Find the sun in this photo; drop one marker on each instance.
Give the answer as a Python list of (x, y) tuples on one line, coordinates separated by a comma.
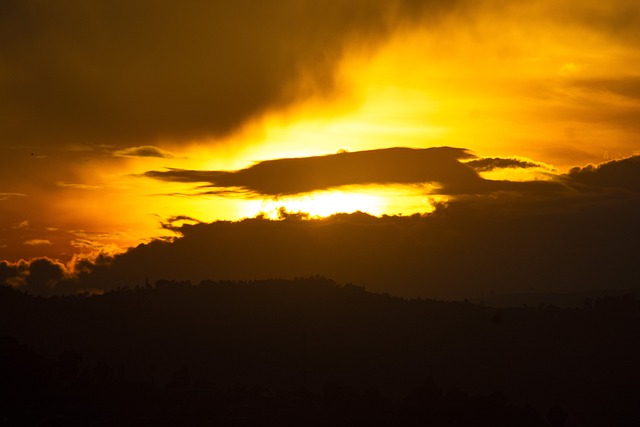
[(319, 204), (376, 200)]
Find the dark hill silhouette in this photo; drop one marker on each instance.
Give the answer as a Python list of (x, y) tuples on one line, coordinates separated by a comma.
[(178, 338), (39, 391)]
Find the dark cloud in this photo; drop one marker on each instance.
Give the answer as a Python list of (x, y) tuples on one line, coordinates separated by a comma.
[(43, 275), (486, 164), (38, 276), (133, 72), (476, 245), (144, 151), (175, 222), (622, 174), (10, 272), (467, 249), (184, 175), (439, 166), (129, 73)]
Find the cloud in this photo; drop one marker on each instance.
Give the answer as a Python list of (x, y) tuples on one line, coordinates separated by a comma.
[(23, 225), (621, 174), (439, 165), (38, 242), (86, 244), (94, 71), (144, 151), (77, 186), (486, 164), (111, 72), (476, 245), (43, 275), (10, 272), (39, 276), (175, 222), (466, 250), (27, 239), (7, 196)]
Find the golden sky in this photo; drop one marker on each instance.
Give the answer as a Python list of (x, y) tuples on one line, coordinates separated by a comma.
[(101, 100)]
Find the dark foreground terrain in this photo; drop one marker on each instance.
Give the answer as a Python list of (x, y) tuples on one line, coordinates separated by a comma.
[(310, 352)]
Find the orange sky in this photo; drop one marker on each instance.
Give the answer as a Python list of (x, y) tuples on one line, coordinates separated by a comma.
[(95, 94)]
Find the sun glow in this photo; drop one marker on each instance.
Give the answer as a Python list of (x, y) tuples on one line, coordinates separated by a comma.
[(318, 204), (376, 200)]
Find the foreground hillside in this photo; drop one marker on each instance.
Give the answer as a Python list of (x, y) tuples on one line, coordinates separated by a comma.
[(326, 340)]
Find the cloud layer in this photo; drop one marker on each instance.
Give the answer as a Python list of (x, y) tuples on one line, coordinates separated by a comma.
[(440, 166), (134, 73), (125, 73), (580, 239)]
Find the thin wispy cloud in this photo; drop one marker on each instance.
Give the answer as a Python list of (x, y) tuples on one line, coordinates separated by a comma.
[(38, 242), (144, 151), (486, 164), (7, 196)]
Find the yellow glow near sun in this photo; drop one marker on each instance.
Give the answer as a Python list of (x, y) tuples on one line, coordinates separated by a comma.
[(319, 204), (376, 200)]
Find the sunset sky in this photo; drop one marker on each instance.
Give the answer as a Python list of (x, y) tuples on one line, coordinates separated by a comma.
[(117, 117)]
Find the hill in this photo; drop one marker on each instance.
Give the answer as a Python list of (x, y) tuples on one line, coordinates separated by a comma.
[(310, 333)]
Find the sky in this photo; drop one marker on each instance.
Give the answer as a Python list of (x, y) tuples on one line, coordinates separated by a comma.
[(121, 122)]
